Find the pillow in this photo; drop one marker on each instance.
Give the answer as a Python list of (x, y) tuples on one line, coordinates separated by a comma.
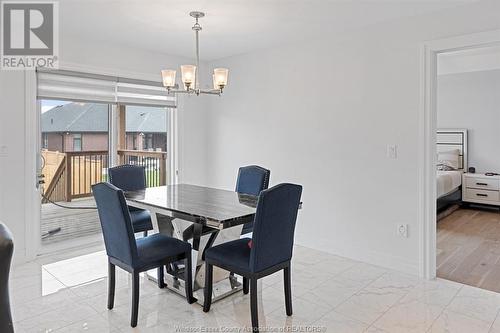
[(449, 158), (445, 167)]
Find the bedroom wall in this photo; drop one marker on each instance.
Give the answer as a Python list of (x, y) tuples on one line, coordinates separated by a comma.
[(472, 101), (109, 58), (321, 113)]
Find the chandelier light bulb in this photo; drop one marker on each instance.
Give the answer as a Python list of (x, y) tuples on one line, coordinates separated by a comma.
[(188, 76), (220, 77), (168, 78)]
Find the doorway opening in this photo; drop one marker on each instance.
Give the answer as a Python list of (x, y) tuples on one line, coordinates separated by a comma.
[(445, 144), (468, 187)]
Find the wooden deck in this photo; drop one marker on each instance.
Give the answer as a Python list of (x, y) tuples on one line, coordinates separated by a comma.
[(74, 223)]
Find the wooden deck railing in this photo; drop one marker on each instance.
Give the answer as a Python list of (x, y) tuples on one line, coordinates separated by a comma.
[(83, 169), (78, 171), (155, 163)]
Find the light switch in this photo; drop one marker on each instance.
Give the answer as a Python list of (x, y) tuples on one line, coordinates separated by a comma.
[(3, 151), (392, 151)]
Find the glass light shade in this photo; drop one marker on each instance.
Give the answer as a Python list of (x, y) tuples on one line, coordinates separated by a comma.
[(188, 75), (220, 77), (168, 76)]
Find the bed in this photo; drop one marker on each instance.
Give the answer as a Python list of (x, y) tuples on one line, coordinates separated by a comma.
[(448, 182), (451, 147)]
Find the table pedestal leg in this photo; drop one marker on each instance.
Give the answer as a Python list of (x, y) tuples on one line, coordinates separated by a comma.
[(224, 284)]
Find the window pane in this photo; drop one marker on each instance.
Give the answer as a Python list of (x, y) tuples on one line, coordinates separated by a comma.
[(74, 139), (146, 133)]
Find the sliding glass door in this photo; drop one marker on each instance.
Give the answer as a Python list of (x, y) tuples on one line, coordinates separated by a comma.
[(74, 151), (89, 123)]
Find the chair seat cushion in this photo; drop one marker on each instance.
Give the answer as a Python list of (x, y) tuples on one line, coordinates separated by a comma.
[(158, 247), (235, 254), (247, 228), (141, 220)]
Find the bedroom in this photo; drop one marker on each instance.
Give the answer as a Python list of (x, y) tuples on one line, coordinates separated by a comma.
[(468, 163)]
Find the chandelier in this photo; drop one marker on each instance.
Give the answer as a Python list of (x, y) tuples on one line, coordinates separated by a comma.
[(190, 77)]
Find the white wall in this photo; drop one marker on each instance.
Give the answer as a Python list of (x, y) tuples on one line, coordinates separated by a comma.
[(12, 203), (322, 113), (485, 58), (472, 100), (104, 58)]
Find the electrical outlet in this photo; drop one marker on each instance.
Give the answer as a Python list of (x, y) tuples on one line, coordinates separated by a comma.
[(392, 151), (3, 151), (403, 230)]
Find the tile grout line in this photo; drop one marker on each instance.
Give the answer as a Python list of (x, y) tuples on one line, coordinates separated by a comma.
[(358, 290), (372, 324), (493, 322), (362, 288), (466, 314), (444, 308)]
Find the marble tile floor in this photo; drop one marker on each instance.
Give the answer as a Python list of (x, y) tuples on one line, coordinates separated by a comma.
[(67, 293)]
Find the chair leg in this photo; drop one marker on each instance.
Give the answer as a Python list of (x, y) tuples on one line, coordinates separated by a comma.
[(208, 287), (288, 290), (161, 280), (245, 285), (188, 279), (135, 299), (111, 285), (145, 233), (253, 305)]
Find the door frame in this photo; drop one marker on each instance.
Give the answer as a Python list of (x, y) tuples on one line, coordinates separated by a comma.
[(427, 130), (32, 144)]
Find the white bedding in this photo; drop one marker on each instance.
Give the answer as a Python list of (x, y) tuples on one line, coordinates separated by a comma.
[(447, 182)]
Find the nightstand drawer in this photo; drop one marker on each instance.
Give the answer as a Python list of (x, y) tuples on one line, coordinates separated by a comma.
[(471, 193), (482, 183)]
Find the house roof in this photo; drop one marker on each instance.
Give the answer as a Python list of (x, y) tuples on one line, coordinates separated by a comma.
[(93, 117)]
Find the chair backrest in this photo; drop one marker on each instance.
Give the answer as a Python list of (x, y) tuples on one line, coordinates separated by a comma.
[(6, 250), (128, 177), (115, 222), (252, 179), (274, 226)]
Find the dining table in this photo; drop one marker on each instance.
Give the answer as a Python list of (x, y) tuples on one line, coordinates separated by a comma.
[(202, 216)]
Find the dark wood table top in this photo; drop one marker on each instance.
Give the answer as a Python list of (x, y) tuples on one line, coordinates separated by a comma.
[(203, 204)]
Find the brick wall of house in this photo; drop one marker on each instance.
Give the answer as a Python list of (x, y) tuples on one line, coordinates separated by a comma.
[(94, 141), (63, 142), (159, 141), (54, 142)]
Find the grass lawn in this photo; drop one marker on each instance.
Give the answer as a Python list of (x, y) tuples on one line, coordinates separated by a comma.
[(152, 178)]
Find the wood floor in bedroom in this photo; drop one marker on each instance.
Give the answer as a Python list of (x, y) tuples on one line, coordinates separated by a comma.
[(468, 248)]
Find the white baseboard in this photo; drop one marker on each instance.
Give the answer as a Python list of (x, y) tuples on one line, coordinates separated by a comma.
[(384, 260)]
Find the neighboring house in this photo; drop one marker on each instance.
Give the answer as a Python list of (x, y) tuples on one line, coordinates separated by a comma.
[(84, 127)]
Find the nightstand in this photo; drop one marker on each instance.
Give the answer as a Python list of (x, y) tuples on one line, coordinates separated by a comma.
[(478, 188)]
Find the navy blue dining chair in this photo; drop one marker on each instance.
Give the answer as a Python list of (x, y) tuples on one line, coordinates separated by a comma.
[(252, 180), (6, 251), (132, 178), (269, 251), (135, 256)]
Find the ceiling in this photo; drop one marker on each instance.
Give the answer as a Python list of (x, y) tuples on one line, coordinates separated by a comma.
[(471, 60), (231, 26)]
